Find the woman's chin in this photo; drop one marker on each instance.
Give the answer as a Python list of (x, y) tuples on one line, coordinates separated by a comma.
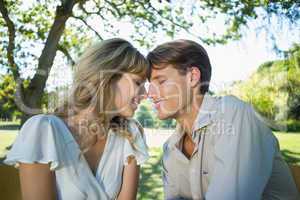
[(128, 113)]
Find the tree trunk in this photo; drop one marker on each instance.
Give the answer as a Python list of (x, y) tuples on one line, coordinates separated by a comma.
[(31, 97)]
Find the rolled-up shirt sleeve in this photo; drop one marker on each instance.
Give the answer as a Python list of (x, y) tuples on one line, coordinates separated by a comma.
[(244, 158)]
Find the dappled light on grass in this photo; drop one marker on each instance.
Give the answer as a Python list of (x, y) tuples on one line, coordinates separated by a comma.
[(151, 182)]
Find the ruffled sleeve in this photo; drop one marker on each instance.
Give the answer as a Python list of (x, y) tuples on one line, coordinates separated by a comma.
[(35, 143), (138, 148)]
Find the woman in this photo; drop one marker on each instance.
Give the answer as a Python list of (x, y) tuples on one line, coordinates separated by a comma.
[(88, 148)]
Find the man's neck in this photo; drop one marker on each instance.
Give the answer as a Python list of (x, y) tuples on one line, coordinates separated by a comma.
[(188, 115)]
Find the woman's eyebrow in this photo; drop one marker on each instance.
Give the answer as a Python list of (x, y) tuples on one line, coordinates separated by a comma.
[(138, 79)]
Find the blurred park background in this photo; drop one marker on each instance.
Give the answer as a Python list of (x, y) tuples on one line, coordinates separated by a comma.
[(254, 47)]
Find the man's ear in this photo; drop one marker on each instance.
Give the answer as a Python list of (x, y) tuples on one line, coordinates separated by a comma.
[(195, 76)]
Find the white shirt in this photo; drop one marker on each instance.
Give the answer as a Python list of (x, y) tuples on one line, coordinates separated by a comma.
[(236, 157), (46, 139)]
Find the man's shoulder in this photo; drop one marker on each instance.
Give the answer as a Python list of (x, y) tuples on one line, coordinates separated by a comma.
[(231, 106), (231, 101)]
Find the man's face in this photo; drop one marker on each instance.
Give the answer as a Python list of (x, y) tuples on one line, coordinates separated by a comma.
[(169, 90)]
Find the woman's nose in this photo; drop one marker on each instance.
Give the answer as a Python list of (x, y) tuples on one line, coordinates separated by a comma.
[(142, 93)]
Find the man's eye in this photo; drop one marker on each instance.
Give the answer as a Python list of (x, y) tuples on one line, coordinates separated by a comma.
[(161, 82)]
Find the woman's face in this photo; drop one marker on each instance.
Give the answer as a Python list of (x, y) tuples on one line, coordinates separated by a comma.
[(130, 89)]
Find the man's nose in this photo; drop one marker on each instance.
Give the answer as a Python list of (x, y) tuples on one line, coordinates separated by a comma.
[(152, 91)]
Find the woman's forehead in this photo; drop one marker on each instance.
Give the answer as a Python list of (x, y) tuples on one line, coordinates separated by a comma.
[(132, 76)]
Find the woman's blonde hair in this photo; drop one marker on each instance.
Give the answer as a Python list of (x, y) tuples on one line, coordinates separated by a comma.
[(94, 76)]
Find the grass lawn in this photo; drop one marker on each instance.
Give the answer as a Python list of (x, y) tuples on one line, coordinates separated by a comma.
[(8, 132), (150, 183), (6, 139), (290, 146)]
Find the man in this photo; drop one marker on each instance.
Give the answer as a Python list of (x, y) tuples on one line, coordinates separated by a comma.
[(221, 149)]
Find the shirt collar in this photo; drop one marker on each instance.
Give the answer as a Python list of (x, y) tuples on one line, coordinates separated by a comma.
[(205, 116), (206, 112)]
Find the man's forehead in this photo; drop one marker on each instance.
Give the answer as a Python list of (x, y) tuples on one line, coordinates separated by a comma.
[(160, 71)]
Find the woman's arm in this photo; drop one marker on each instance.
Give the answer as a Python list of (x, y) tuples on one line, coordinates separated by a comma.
[(130, 181), (37, 182)]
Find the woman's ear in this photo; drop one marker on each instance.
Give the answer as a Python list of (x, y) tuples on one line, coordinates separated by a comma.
[(195, 76)]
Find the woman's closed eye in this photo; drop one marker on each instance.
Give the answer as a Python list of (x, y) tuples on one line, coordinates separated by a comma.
[(138, 83)]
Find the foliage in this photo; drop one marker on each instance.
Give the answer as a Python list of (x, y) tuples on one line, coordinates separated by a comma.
[(146, 115), (8, 107), (274, 89), (35, 35)]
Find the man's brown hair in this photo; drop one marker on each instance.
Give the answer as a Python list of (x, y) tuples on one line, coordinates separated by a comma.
[(182, 54)]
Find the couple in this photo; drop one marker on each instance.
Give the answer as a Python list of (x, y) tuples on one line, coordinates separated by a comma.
[(91, 148)]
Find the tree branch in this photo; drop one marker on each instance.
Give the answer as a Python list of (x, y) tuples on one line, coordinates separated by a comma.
[(63, 12), (115, 6), (66, 53), (168, 19), (89, 26), (11, 40)]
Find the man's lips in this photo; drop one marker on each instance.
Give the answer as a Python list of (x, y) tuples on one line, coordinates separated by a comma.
[(157, 103)]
